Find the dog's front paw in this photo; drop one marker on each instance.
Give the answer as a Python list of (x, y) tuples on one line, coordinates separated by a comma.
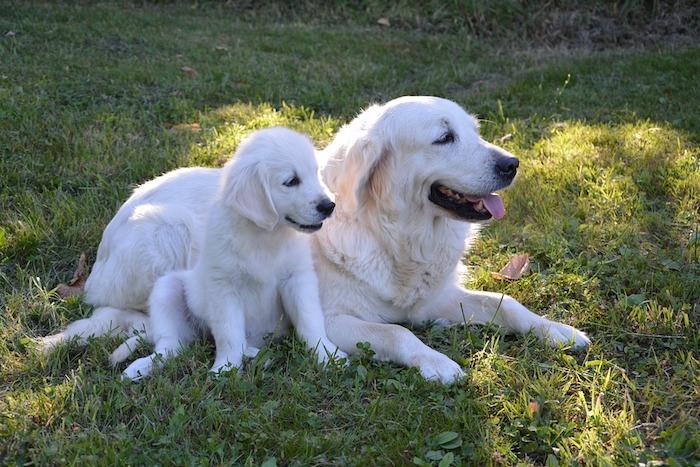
[(223, 365), (327, 351), (556, 334), (47, 344), (140, 368), (251, 352), (434, 366), (125, 349)]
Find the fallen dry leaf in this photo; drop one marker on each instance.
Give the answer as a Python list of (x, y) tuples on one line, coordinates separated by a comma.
[(514, 270), (533, 407), (383, 22), (76, 284), (189, 71)]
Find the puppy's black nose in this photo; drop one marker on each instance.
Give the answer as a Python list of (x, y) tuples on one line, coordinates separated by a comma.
[(507, 167), (325, 207)]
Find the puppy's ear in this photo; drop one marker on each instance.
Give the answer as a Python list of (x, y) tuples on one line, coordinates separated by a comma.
[(247, 190)]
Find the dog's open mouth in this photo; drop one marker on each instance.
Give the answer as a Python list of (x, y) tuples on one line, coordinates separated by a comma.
[(467, 207), (304, 227)]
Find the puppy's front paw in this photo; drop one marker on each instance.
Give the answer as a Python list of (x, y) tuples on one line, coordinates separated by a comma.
[(225, 364), (556, 334), (435, 366), (140, 368), (251, 352)]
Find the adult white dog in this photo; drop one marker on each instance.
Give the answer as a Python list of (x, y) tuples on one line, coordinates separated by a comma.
[(413, 180), (254, 273)]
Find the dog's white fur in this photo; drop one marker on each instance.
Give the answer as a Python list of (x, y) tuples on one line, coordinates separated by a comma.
[(388, 255), (254, 273)]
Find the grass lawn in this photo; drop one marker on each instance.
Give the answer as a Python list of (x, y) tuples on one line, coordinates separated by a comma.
[(97, 99)]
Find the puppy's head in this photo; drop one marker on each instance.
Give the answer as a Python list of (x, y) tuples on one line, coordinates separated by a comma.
[(419, 154), (273, 180)]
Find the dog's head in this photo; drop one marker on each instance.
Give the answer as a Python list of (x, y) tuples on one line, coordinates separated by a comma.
[(273, 180), (418, 153)]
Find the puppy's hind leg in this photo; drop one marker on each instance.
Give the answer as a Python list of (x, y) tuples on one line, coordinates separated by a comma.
[(139, 329), (103, 321), (171, 329)]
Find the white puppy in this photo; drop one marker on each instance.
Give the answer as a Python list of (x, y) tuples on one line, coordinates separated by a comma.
[(413, 179), (255, 272)]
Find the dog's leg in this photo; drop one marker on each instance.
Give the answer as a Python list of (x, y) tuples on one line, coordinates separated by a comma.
[(303, 306), (392, 342), (104, 321), (139, 329), (170, 328), (226, 321), (470, 306), (124, 350)]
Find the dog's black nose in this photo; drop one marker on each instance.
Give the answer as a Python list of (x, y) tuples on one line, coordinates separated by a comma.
[(507, 167), (325, 207)]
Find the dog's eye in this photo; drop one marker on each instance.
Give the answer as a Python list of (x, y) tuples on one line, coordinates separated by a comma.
[(294, 181), (447, 138)]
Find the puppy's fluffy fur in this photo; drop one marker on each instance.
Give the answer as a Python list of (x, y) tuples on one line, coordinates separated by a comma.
[(254, 273), (390, 254)]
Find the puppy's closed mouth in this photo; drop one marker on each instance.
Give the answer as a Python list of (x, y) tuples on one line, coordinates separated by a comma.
[(304, 227), (465, 206)]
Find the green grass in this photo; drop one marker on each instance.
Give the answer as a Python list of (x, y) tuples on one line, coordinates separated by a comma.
[(93, 101)]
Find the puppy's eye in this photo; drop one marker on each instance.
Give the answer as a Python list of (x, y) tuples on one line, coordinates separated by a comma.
[(447, 138), (294, 181)]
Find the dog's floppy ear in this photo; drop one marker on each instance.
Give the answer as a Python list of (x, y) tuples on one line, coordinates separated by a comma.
[(364, 159), (247, 190), (355, 160)]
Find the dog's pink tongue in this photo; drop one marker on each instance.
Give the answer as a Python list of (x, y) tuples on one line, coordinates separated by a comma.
[(494, 204)]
